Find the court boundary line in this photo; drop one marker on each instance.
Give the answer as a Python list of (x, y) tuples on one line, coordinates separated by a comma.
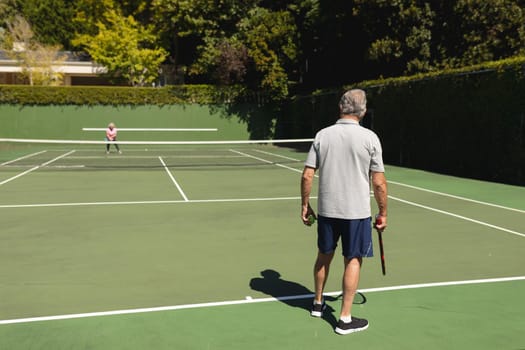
[(261, 199), (36, 168), (186, 200), (417, 204), (265, 160), (456, 197), (173, 180), (217, 200), (422, 188), (23, 157), (277, 155), (249, 300), (457, 216)]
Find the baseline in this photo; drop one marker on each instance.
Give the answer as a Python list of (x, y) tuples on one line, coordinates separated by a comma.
[(249, 300)]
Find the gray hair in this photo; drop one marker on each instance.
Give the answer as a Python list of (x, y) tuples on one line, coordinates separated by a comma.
[(353, 102)]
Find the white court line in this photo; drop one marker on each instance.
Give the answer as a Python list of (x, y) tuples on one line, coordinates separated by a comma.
[(153, 129), (250, 300), (265, 161), (79, 204), (423, 189), (35, 168), (173, 179), (456, 197), (424, 206), (458, 216), (24, 157), (276, 155)]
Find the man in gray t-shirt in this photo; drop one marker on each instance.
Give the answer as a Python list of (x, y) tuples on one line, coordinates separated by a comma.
[(347, 156)]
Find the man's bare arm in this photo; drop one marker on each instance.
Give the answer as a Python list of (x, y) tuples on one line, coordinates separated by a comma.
[(379, 187), (307, 179)]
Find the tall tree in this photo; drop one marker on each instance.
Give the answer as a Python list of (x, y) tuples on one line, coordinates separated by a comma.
[(476, 31), (410, 36), (126, 48), (399, 33), (7, 12), (223, 60), (229, 38), (332, 43), (88, 13), (186, 25), (270, 38), (39, 63), (49, 19)]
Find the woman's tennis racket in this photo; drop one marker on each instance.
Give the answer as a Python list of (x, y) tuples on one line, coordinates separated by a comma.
[(381, 249)]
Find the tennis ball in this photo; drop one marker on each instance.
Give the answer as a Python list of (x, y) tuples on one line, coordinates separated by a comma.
[(311, 219)]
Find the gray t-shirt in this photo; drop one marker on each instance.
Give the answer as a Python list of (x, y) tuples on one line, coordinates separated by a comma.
[(345, 154)]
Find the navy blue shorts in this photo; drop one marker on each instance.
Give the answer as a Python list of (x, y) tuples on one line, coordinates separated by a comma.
[(356, 236)]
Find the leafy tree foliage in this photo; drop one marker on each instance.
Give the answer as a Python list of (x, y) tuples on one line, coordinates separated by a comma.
[(37, 61), (188, 28), (234, 41), (89, 13), (485, 31), (418, 36), (49, 19), (400, 33), (274, 45), (271, 47), (125, 48), (225, 59)]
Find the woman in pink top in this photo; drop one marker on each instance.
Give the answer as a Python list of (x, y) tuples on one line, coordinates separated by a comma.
[(111, 135)]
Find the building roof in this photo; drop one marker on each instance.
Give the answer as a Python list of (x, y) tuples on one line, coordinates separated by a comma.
[(75, 63)]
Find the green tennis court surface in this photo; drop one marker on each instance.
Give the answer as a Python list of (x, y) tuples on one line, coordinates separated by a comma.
[(202, 248)]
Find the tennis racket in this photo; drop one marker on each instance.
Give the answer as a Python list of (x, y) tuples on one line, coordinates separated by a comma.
[(381, 248), (359, 298)]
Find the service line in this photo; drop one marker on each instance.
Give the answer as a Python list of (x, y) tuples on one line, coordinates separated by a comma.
[(35, 168)]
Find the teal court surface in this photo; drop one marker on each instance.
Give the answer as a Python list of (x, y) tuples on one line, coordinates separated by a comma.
[(202, 247)]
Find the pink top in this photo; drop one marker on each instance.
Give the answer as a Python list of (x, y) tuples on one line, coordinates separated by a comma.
[(111, 134)]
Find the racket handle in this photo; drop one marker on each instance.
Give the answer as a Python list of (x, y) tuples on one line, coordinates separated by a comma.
[(378, 220), (382, 252)]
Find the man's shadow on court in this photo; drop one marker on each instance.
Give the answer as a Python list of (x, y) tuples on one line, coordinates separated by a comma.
[(290, 293)]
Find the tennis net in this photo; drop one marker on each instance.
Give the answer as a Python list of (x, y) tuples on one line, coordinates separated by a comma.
[(78, 154)]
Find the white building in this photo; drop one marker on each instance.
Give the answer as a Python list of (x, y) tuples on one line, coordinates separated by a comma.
[(78, 69)]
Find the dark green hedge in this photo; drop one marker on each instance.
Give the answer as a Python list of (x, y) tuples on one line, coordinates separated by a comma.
[(89, 95), (468, 122), (468, 125)]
